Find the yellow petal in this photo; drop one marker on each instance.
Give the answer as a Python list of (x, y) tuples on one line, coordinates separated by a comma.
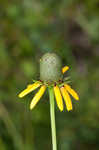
[(66, 98), (29, 89), (64, 69), (71, 91), (29, 86), (37, 96), (58, 97)]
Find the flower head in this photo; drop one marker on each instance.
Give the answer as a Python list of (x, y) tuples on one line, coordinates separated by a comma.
[(51, 75)]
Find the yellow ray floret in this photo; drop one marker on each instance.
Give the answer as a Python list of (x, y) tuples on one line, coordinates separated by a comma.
[(37, 96), (58, 97), (29, 89), (71, 91), (64, 69), (66, 98)]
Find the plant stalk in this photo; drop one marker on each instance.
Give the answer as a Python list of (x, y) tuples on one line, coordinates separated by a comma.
[(52, 115)]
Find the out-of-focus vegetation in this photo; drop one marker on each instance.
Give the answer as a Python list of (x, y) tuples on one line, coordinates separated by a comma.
[(28, 29)]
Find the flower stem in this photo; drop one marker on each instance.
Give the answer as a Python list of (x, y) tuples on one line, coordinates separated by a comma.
[(52, 115)]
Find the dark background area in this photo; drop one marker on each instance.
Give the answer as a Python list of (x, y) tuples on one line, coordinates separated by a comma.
[(28, 29)]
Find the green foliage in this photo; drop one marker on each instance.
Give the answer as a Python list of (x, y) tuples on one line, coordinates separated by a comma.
[(28, 29)]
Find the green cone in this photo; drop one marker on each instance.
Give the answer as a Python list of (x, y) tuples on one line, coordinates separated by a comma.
[(50, 68)]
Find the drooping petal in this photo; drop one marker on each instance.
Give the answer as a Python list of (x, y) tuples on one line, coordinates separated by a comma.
[(29, 86), (67, 98), (71, 91), (64, 69), (58, 97), (29, 89), (37, 96)]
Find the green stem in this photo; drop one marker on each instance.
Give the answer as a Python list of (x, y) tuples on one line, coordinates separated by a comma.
[(52, 115)]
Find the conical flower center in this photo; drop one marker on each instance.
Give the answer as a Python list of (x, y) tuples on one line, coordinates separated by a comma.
[(50, 68)]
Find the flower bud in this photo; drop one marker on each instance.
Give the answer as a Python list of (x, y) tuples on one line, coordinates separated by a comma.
[(50, 68)]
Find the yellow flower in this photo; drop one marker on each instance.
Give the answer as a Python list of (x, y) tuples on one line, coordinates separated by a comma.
[(60, 88)]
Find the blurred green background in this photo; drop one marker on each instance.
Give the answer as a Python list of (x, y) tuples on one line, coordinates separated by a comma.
[(28, 29)]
